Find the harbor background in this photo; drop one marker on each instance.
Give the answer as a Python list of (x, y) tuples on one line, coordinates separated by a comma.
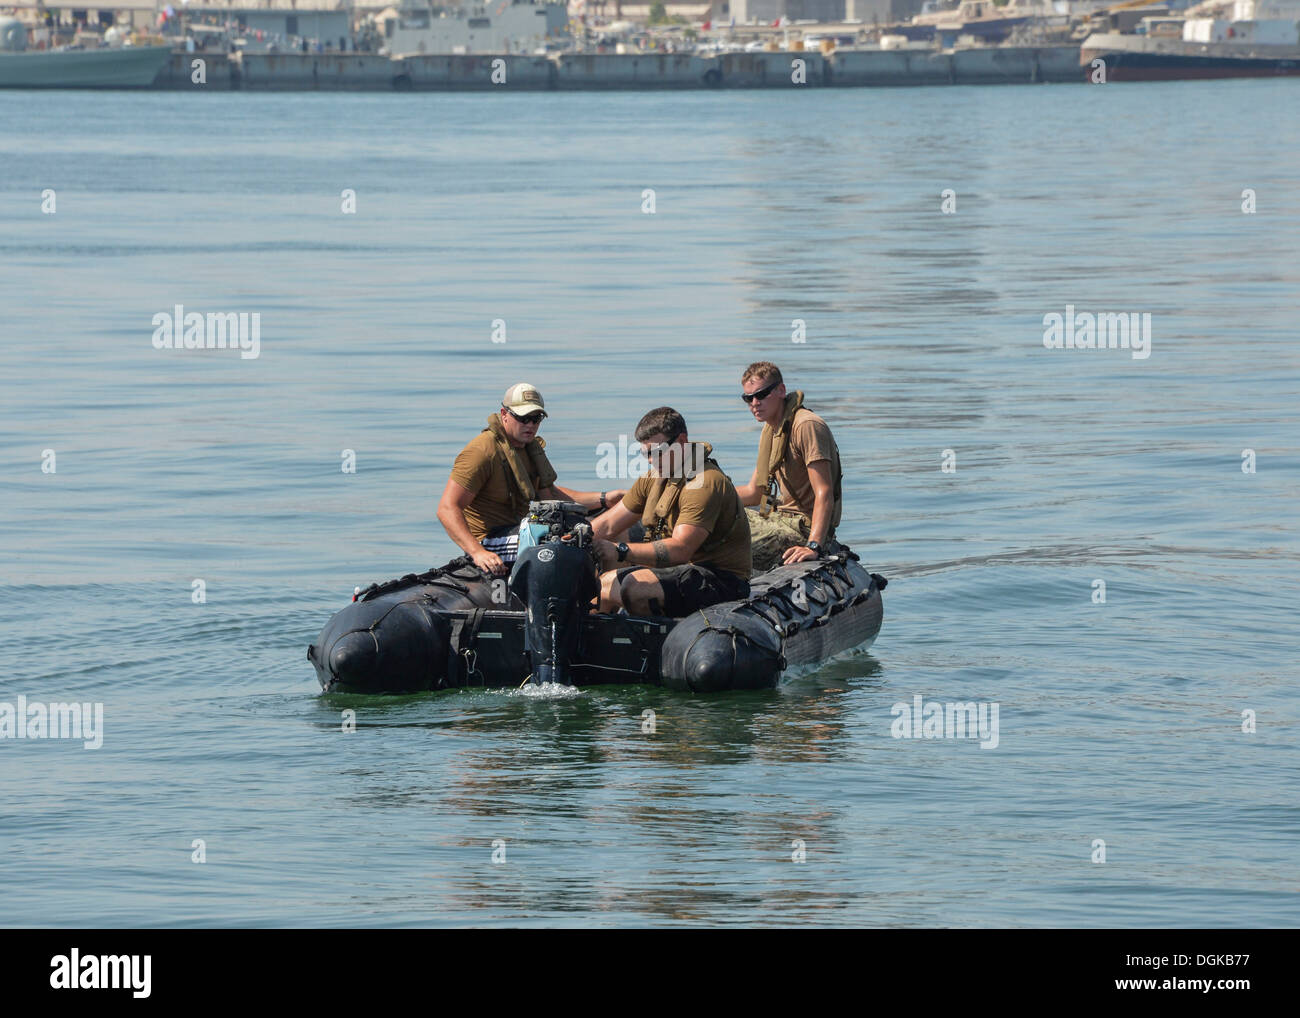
[(342, 45), (1119, 721)]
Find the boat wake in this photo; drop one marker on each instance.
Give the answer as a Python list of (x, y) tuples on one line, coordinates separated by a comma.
[(542, 691)]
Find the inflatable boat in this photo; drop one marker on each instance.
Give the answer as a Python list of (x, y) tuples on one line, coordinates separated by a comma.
[(455, 626)]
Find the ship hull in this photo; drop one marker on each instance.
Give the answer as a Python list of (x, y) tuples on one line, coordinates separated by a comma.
[(1134, 58), (130, 67), (1128, 67)]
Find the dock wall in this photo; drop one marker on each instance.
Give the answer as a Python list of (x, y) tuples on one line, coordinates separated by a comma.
[(480, 72), (649, 70), (602, 71), (976, 66), (215, 69), (891, 67), (313, 71)]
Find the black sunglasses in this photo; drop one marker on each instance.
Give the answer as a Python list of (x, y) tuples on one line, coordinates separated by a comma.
[(534, 418), (763, 393)]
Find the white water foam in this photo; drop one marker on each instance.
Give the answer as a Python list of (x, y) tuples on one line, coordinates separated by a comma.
[(544, 691)]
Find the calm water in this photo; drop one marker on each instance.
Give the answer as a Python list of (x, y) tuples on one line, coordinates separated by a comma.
[(1119, 721)]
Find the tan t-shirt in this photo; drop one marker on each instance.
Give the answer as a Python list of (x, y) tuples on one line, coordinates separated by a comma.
[(708, 500), (810, 441), (481, 469)]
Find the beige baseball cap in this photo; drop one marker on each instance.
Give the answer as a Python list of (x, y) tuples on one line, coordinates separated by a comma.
[(523, 399)]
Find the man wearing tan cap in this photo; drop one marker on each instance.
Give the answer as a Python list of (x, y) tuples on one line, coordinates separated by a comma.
[(797, 481), (495, 477)]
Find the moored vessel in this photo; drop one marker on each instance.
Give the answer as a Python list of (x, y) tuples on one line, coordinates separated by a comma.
[(70, 67), (1254, 39)]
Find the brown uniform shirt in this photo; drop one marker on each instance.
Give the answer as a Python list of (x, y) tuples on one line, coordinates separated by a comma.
[(810, 441), (480, 468), (710, 501)]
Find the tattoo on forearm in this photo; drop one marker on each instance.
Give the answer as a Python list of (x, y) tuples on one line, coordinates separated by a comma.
[(663, 557)]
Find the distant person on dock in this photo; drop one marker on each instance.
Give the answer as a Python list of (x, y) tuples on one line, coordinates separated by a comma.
[(696, 551), (495, 477), (797, 481)]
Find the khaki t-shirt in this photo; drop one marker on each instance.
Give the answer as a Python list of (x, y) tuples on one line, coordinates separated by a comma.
[(481, 469), (810, 441), (708, 500)]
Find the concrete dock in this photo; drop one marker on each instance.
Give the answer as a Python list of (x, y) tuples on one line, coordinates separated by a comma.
[(609, 71), (636, 71), (310, 71)]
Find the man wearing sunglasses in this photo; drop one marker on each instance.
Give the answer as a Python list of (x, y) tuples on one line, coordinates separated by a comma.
[(696, 547), (495, 477), (797, 482)]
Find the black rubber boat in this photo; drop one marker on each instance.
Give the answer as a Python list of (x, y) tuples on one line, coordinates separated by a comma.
[(454, 627)]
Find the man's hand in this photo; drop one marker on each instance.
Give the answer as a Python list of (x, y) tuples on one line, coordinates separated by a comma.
[(799, 553), (615, 521), (608, 552), (489, 562)]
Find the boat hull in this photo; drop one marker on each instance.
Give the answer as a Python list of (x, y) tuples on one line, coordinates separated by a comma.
[(1130, 67), (129, 67), (1139, 58), (449, 629)]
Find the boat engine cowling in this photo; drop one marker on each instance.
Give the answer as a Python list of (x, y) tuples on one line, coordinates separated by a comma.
[(556, 580)]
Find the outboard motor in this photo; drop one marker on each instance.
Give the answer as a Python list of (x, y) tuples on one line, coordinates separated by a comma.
[(556, 580)]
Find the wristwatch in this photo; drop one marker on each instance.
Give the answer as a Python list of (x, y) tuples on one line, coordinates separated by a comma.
[(603, 504), (623, 549), (817, 548)]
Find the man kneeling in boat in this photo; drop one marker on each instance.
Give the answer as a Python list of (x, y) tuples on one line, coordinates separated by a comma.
[(697, 539), (495, 477), (797, 480)]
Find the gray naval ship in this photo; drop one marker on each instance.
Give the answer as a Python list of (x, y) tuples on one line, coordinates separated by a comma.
[(108, 67), (493, 26), (1238, 39)]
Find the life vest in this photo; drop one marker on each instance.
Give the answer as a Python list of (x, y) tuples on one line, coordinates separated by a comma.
[(517, 461), (697, 457), (772, 449)]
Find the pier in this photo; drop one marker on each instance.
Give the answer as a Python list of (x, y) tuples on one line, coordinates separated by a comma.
[(260, 71)]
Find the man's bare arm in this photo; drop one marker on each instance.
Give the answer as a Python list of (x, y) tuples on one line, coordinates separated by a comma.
[(819, 473), (586, 499), (451, 514), (671, 551), (749, 493), (617, 520)]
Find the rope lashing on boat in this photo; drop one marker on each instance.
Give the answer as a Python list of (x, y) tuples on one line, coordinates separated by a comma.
[(370, 629), (731, 631), (440, 576)]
